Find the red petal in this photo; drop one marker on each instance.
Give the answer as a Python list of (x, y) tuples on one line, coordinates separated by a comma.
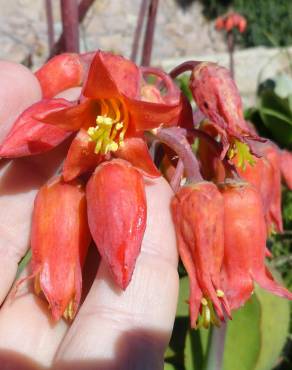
[(117, 216), (136, 152), (81, 157), (146, 115), (286, 167), (29, 136), (60, 238), (73, 118), (275, 211), (110, 76), (60, 73), (196, 209), (266, 281)]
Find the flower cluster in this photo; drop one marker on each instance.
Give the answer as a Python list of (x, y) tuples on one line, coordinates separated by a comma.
[(222, 216)]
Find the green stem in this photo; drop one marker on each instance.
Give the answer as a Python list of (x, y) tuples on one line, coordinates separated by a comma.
[(214, 359)]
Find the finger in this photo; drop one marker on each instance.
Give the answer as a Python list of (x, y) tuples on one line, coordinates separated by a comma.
[(19, 89), (19, 182), (28, 337), (130, 329)]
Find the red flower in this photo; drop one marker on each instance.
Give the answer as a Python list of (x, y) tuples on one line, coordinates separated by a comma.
[(286, 167), (197, 212), (245, 245), (116, 105), (117, 213), (230, 21), (59, 241), (218, 98)]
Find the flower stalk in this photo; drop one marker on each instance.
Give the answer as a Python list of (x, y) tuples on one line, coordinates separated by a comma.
[(149, 33), (50, 23), (59, 46), (175, 138), (138, 30), (216, 348), (69, 12)]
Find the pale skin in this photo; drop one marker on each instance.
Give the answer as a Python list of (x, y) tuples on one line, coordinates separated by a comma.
[(113, 329)]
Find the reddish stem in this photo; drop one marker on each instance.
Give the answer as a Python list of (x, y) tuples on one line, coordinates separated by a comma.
[(50, 24), (82, 10), (183, 67), (175, 138), (149, 33), (230, 45), (176, 178), (138, 31), (69, 12)]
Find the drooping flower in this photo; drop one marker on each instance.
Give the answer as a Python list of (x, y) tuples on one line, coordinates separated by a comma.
[(59, 240), (218, 98), (197, 211), (117, 213), (265, 175), (245, 244)]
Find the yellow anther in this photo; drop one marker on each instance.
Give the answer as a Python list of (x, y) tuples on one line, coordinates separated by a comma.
[(204, 302), (111, 126), (119, 125), (69, 311), (208, 315), (219, 293)]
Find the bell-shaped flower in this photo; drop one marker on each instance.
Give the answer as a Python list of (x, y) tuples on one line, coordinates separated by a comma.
[(245, 244), (59, 241), (117, 212), (198, 216)]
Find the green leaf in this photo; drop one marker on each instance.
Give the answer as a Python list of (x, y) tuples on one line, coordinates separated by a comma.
[(168, 366), (196, 349), (278, 126), (242, 344), (274, 326), (23, 263), (183, 307), (257, 333)]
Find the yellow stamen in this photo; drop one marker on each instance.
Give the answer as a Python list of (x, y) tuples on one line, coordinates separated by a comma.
[(208, 315), (69, 311), (37, 284), (219, 293), (109, 132)]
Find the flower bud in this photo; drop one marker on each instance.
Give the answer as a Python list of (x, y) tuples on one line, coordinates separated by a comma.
[(117, 216)]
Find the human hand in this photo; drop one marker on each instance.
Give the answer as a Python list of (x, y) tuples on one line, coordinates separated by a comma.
[(113, 329)]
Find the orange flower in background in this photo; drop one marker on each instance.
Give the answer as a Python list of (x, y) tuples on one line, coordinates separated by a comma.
[(230, 21)]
